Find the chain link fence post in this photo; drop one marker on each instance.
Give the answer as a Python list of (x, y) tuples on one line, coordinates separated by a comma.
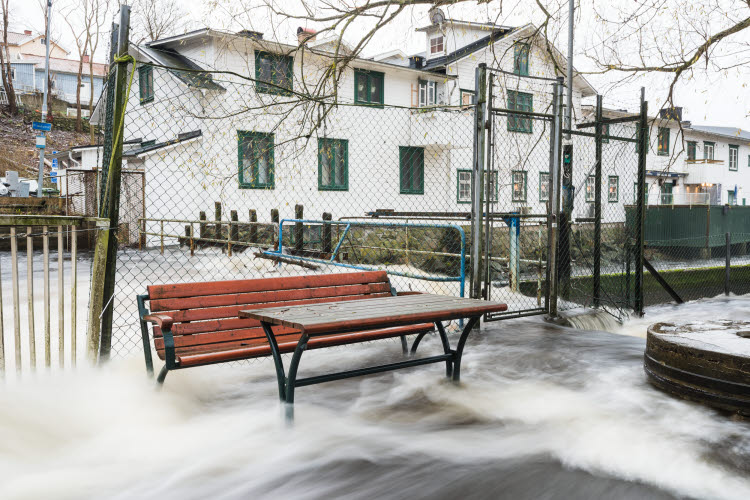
[(640, 209), (480, 85), (554, 203)]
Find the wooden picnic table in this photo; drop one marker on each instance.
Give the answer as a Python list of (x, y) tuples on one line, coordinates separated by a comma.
[(338, 318)]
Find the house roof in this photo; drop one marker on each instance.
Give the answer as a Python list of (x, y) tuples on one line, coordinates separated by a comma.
[(468, 24), (63, 65), (175, 41), (192, 76), (728, 132), (19, 38), (145, 150)]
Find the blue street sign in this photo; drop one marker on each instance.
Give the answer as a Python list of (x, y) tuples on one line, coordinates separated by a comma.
[(53, 177), (45, 127)]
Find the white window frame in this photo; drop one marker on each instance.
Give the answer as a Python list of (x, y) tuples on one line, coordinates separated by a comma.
[(590, 189), (435, 42), (427, 93), (708, 146), (734, 157), (610, 197), (464, 181)]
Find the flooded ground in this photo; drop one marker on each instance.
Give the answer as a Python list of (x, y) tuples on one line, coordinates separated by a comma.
[(543, 412)]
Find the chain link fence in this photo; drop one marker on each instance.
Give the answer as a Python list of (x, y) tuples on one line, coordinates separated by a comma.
[(240, 182)]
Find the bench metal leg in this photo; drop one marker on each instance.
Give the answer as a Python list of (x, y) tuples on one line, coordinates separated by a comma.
[(281, 378), (162, 375), (446, 348), (404, 345), (416, 342), (292, 376), (460, 348)]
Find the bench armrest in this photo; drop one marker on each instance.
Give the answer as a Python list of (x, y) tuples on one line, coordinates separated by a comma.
[(399, 294), (163, 321)]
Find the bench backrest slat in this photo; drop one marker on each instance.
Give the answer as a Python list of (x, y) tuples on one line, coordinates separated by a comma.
[(184, 290)]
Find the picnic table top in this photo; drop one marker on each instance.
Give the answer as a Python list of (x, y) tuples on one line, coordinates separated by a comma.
[(364, 314)]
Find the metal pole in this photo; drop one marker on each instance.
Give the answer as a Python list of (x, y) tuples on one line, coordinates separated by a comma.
[(113, 186), (491, 187), (569, 108), (480, 88), (727, 265), (554, 198), (598, 205), (44, 99), (640, 208)]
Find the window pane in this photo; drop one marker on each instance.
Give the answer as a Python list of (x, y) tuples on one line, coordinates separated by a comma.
[(361, 87), (339, 163), (376, 89)]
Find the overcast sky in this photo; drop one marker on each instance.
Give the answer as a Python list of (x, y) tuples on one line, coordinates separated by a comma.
[(709, 97)]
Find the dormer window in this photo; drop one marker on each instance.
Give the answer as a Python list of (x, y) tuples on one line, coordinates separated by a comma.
[(436, 45)]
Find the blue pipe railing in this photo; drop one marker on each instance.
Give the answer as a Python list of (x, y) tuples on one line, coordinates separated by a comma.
[(461, 278)]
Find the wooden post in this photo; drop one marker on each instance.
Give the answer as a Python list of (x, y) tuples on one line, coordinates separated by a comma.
[(275, 221), (60, 296), (161, 237), (299, 232), (217, 218), (327, 239), (97, 289), (74, 293), (142, 236), (192, 240), (47, 334), (234, 230), (253, 226), (202, 226), (727, 266), (16, 307), (30, 293)]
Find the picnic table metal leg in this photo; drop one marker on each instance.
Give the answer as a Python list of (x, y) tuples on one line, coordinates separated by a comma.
[(404, 345), (162, 375), (280, 377), (460, 348), (446, 348), (416, 342), (292, 376)]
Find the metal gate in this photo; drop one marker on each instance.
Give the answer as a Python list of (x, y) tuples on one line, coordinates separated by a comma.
[(516, 200), (557, 221)]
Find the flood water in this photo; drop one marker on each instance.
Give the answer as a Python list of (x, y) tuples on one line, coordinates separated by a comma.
[(543, 411)]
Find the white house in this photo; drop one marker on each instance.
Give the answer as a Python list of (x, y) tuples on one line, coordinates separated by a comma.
[(399, 139)]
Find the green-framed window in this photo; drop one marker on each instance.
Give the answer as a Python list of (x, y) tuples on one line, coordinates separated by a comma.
[(662, 147), (146, 83), (708, 150), (411, 169), (520, 101), (543, 186), (273, 73), (255, 152), (731, 198), (667, 198), (464, 186), (590, 193), (467, 97), (333, 164), (521, 58), (692, 148), (734, 157), (613, 189), (368, 87), (519, 185)]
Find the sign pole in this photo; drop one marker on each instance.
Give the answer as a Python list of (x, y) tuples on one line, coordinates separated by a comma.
[(41, 143)]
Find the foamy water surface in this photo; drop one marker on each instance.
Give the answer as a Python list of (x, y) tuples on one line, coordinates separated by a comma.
[(543, 412)]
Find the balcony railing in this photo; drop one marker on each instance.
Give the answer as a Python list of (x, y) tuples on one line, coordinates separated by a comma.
[(704, 161)]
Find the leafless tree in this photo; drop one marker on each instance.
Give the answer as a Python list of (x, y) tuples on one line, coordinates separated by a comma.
[(100, 11), (154, 19), (79, 20), (5, 60)]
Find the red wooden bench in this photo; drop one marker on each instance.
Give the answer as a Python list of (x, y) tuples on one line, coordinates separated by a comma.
[(196, 324)]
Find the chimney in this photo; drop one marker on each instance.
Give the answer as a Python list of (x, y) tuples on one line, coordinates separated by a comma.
[(674, 113), (305, 35), (85, 58), (27, 32), (256, 35), (416, 62)]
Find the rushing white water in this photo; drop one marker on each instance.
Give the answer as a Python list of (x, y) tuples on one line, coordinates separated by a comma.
[(543, 412)]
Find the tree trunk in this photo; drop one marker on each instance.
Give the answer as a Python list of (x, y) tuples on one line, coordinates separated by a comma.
[(5, 65), (91, 96), (79, 125)]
